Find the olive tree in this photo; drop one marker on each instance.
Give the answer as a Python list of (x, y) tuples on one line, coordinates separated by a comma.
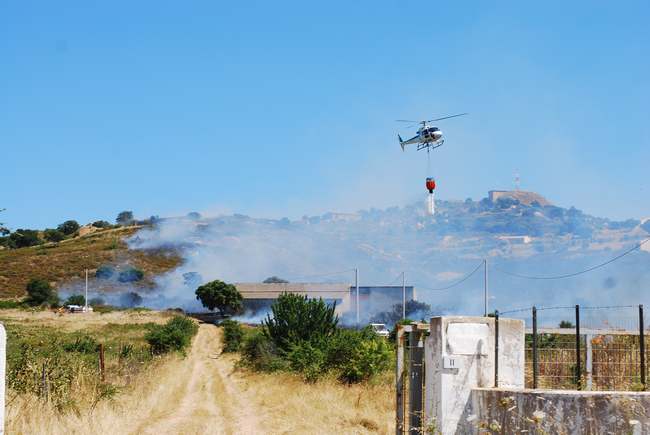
[(220, 295)]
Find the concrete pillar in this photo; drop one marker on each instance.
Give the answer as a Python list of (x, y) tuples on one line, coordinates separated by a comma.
[(459, 356)]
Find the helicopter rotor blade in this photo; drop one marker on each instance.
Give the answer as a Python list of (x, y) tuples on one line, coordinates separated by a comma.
[(406, 120), (447, 117)]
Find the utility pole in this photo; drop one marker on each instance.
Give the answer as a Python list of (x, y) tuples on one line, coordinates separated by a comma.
[(485, 287), (403, 295), (356, 284), (86, 297)]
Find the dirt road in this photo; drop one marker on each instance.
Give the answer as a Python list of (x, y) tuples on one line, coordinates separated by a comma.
[(200, 396)]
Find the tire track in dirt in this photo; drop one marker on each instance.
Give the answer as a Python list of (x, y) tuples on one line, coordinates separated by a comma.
[(203, 398)]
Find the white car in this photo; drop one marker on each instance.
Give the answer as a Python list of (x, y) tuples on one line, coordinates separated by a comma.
[(380, 329)]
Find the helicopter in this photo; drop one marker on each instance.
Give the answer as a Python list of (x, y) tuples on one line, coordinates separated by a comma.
[(428, 137)]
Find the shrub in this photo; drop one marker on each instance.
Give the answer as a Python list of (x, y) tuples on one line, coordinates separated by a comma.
[(308, 359), (97, 301), (233, 335), (260, 353), (175, 335), (76, 300), (125, 218), (68, 227), (130, 299), (52, 235), (10, 304), (297, 319), (23, 239), (368, 359), (101, 224), (104, 272), (40, 292), (218, 294), (275, 280), (131, 274), (81, 344)]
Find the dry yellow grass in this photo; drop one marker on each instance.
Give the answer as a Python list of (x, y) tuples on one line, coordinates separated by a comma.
[(291, 406), (205, 393), (77, 321)]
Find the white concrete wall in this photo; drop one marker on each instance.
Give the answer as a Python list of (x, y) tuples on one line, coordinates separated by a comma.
[(468, 344)]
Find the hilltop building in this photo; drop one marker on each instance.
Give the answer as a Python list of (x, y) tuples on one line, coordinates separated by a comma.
[(526, 198)]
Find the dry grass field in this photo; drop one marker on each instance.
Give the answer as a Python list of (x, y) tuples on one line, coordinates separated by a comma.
[(204, 392), (64, 262)]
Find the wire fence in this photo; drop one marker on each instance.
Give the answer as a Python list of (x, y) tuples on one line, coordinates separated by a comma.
[(584, 347)]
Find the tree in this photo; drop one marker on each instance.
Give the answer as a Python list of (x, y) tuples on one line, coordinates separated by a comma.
[(24, 238), (41, 292), (218, 294), (130, 299), (565, 324), (52, 235), (68, 227), (101, 224), (3, 230), (275, 280), (76, 300), (298, 319), (130, 275), (125, 218), (104, 272)]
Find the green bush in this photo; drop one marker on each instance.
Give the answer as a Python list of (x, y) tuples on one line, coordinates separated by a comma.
[(81, 344), (10, 304), (23, 238), (104, 272), (101, 224), (131, 274), (260, 353), (175, 335), (308, 359), (68, 227), (76, 300), (40, 292), (297, 319), (368, 359), (233, 334), (52, 235)]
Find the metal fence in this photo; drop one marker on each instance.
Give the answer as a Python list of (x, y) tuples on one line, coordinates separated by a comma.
[(584, 347)]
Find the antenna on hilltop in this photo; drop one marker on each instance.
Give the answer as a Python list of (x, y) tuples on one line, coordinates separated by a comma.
[(517, 181)]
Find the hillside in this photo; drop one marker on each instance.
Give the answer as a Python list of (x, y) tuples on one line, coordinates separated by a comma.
[(434, 251), (177, 254), (63, 263)]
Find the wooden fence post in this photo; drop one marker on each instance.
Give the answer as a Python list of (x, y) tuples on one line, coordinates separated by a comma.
[(578, 368), (642, 347), (535, 365), (101, 363)]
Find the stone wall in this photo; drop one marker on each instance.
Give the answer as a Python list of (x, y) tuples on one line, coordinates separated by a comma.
[(513, 411)]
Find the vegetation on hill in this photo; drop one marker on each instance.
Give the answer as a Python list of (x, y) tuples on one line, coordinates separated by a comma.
[(64, 262)]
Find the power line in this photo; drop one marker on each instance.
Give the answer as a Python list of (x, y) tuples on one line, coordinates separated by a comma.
[(569, 275), (465, 278)]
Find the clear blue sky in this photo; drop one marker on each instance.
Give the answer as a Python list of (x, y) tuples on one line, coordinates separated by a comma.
[(287, 108)]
